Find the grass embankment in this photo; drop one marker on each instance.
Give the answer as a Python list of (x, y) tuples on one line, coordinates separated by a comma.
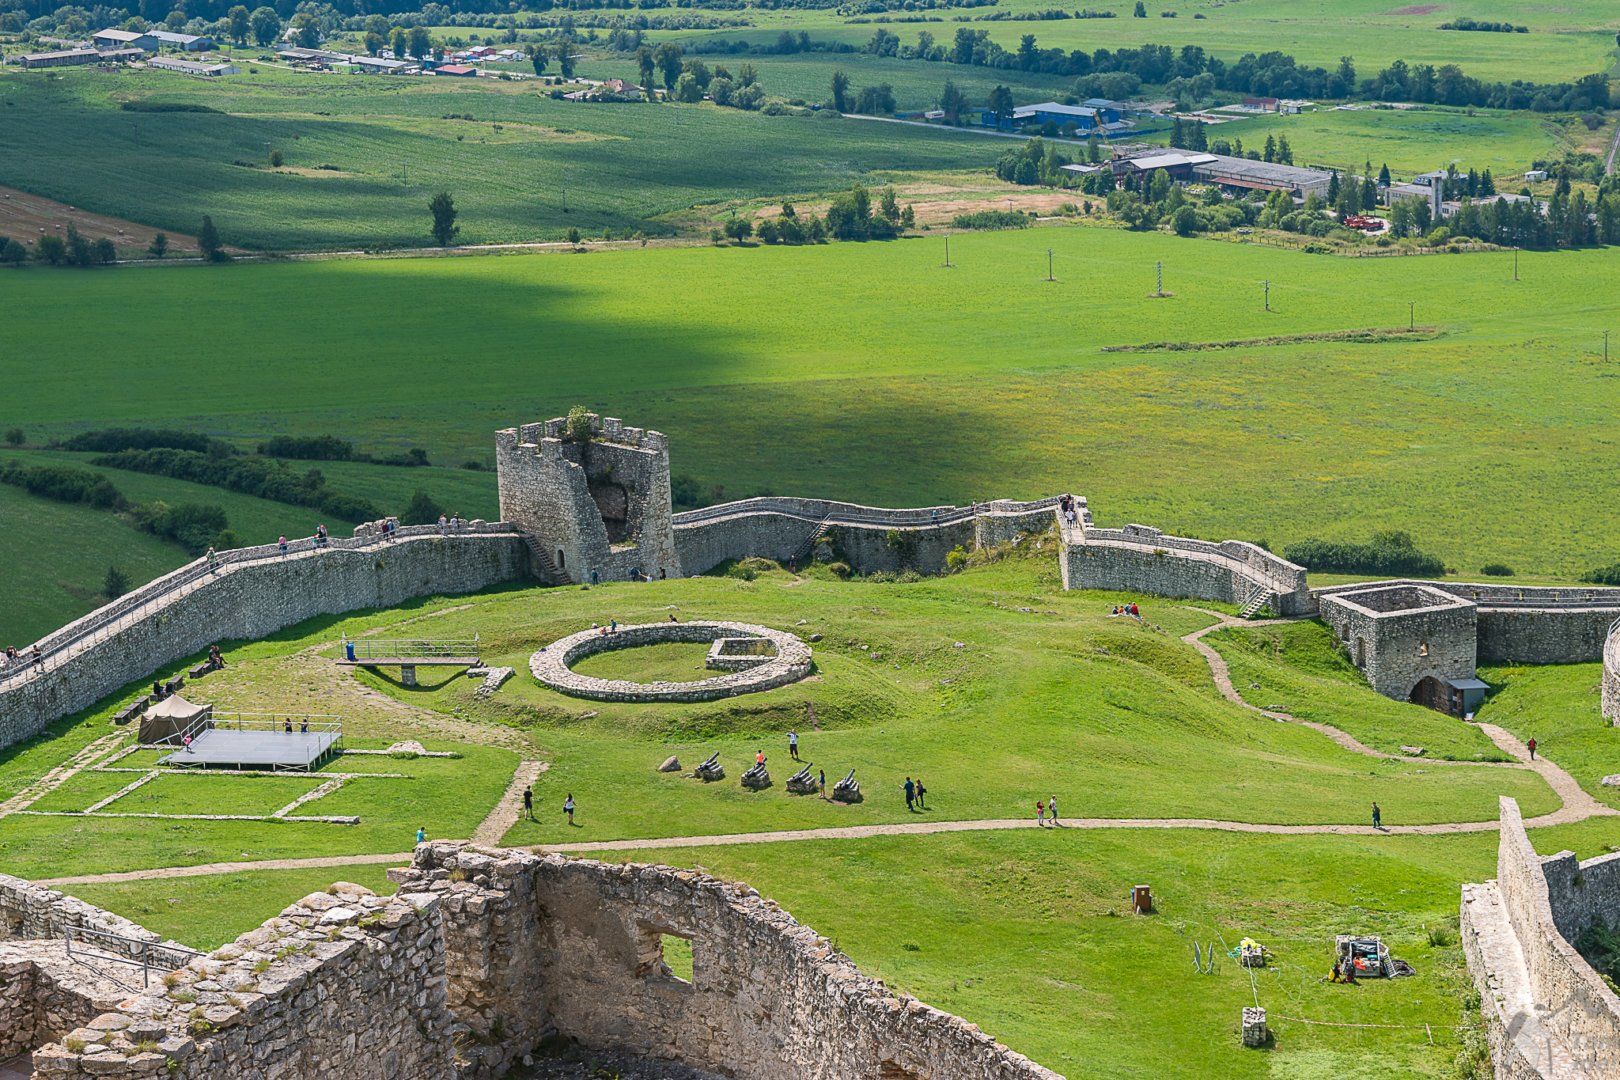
[(1298, 669)]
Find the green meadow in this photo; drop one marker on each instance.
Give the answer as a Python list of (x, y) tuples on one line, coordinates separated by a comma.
[(995, 687), (800, 371), (363, 156), (1566, 41)]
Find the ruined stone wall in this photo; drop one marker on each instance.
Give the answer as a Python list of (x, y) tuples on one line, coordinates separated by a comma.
[(783, 528), (541, 943), (247, 600), (601, 505), (1510, 1043), (1611, 676), (1399, 647), (349, 985), (32, 912), (1142, 560), (1579, 1010)]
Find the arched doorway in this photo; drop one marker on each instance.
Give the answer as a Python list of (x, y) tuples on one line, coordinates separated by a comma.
[(1431, 693)]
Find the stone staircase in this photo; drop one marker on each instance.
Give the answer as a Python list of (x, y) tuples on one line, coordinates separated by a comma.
[(544, 566), (1257, 600)]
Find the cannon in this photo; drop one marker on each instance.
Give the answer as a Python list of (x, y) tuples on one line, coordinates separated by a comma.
[(802, 783), (847, 790), (756, 778), (710, 770)]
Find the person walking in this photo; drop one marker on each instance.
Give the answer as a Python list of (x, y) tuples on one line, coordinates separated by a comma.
[(1378, 817), (528, 803), (213, 566), (444, 524), (911, 793), (821, 782), (421, 835), (1532, 746), (568, 807), (1040, 813), (282, 543), (793, 744), (1051, 808), (921, 791)]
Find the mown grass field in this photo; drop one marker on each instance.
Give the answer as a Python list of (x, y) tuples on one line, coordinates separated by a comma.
[(1116, 719), (804, 371), (1566, 40), (363, 156)]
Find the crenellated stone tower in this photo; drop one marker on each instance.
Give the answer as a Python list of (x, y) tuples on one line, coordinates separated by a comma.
[(597, 504)]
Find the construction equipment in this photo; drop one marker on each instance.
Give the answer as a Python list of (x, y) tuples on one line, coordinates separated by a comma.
[(1366, 958)]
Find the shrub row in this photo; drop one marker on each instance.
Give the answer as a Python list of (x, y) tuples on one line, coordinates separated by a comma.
[(263, 477), (1387, 553), (191, 525)]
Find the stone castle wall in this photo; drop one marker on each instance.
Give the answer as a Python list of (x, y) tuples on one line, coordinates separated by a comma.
[(1140, 559), (599, 506), (30, 912), (785, 528), (540, 944), (1399, 635), (248, 598), (1540, 904), (349, 985), (1611, 676)]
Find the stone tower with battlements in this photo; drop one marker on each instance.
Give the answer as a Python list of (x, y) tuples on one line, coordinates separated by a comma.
[(600, 504)]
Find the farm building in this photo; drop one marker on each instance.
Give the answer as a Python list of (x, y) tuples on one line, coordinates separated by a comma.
[(125, 39), (1177, 164), (460, 70), (60, 58), (191, 67), (376, 65), (121, 56), (1242, 174), (1081, 117), (1260, 104), (310, 57), (181, 42)]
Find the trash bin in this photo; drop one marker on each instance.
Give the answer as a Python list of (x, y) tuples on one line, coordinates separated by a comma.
[(348, 650)]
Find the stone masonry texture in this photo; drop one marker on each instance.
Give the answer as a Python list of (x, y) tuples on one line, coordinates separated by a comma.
[(1539, 906), (541, 945)]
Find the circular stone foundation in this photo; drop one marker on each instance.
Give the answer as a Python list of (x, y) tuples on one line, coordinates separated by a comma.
[(748, 659)]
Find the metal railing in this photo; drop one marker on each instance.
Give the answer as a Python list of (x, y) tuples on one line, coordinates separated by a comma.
[(139, 604), (99, 946), (409, 648), (841, 513)]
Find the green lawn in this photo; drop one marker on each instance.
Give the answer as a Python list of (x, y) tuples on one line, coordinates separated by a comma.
[(1115, 720), (674, 662)]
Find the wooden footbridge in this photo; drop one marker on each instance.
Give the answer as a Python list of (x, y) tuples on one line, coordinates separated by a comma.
[(408, 654)]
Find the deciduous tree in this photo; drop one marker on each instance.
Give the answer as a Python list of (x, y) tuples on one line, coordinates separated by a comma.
[(443, 209)]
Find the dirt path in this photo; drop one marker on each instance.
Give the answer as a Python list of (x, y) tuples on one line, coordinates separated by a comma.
[(60, 775), (506, 812)]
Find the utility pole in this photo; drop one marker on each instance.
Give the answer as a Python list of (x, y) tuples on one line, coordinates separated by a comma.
[(947, 250), (1411, 317), (1050, 278), (1158, 273), (1515, 261), (1605, 346), (1267, 284)]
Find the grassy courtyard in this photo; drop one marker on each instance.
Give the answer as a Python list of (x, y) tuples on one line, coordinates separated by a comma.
[(996, 688)]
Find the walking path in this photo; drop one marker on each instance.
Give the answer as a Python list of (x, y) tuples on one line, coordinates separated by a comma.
[(60, 775), (1577, 805), (506, 812)]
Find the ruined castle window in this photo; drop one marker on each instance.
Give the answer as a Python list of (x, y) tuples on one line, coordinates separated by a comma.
[(677, 956), (1361, 652), (1423, 649), (666, 957), (562, 560)]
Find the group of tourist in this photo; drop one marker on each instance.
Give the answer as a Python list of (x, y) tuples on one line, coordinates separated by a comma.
[(453, 523), (1066, 506), (1126, 609), (1046, 809), (915, 794), (14, 658)]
